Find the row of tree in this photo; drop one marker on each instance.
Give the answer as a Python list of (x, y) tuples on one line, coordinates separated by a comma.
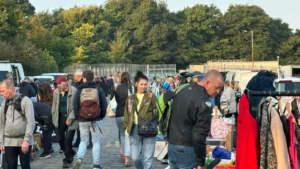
[(135, 31)]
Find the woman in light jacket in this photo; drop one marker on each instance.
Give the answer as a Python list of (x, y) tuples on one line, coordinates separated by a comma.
[(140, 105)]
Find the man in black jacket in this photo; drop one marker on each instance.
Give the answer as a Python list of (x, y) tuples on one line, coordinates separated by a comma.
[(190, 122), (43, 115), (26, 89), (88, 90)]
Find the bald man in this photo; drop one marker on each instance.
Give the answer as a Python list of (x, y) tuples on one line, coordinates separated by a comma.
[(17, 124), (190, 122)]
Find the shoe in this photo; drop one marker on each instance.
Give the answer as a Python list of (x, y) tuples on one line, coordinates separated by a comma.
[(45, 155), (77, 164), (61, 151), (95, 167), (127, 164), (51, 151), (66, 164)]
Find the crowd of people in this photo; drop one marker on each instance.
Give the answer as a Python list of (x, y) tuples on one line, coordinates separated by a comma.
[(78, 106)]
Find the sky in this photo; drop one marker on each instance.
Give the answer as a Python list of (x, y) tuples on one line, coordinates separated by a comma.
[(287, 10)]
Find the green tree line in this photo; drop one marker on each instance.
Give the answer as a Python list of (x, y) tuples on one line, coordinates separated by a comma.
[(135, 31)]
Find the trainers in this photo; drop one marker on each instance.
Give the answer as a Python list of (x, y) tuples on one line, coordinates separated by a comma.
[(96, 167), (66, 164), (61, 151), (77, 164), (45, 155)]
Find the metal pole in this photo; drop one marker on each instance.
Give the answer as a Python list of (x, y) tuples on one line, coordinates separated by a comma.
[(252, 50)]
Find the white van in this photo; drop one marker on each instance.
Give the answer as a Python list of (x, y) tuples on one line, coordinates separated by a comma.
[(243, 78), (55, 75), (48, 79), (15, 69), (287, 84), (230, 74)]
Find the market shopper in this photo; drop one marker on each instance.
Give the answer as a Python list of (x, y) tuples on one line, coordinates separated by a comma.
[(190, 122)]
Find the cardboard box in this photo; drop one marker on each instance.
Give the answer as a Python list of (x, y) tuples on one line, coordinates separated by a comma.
[(38, 139)]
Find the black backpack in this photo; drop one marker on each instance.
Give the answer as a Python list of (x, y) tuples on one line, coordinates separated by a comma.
[(17, 106)]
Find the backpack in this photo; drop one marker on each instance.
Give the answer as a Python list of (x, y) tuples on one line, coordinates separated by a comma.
[(17, 106), (89, 104), (164, 109)]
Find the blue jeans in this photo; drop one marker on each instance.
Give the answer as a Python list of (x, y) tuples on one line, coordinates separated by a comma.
[(142, 149), (125, 142), (182, 157), (85, 128)]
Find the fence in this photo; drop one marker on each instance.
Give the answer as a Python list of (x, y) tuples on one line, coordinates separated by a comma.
[(112, 69)]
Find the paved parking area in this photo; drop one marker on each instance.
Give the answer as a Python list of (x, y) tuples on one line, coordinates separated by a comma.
[(110, 152)]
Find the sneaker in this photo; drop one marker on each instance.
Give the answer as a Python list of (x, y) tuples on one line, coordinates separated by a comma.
[(45, 155), (61, 151), (66, 164), (51, 151), (77, 164), (96, 167)]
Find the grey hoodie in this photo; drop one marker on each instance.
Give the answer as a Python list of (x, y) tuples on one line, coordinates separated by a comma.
[(15, 128)]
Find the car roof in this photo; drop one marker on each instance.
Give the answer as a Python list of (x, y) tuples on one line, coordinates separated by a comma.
[(296, 79)]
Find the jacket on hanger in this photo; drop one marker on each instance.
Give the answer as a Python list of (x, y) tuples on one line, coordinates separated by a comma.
[(247, 152), (293, 143), (279, 138)]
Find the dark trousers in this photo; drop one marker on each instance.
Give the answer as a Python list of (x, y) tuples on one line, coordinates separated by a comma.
[(11, 156), (47, 139), (65, 138)]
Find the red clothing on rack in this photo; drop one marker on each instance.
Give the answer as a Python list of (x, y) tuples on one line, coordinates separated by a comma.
[(248, 147), (293, 144)]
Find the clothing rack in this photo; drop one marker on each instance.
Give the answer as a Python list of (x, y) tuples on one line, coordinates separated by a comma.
[(252, 94)]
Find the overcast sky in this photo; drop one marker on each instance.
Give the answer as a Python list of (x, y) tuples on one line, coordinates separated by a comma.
[(287, 10)]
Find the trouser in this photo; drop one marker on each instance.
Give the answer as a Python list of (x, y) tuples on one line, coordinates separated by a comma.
[(142, 149), (47, 139), (12, 154), (78, 137), (125, 142), (182, 157), (94, 129), (65, 139)]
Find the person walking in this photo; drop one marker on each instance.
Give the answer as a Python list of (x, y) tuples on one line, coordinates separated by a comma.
[(190, 122), (64, 118), (123, 90), (17, 125), (140, 107), (90, 108)]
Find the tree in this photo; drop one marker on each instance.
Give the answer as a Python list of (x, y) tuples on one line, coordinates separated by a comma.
[(120, 49), (290, 51)]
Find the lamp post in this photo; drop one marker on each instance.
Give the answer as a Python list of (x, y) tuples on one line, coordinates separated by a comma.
[(252, 39), (252, 46)]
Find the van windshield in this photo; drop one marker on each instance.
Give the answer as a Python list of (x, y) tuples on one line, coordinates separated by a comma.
[(290, 86), (3, 75)]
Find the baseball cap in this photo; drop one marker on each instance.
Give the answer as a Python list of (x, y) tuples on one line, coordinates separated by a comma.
[(60, 79)]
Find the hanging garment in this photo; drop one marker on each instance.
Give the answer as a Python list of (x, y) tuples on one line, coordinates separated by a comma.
[(268, 155), (247, 149), (279, 138), (293, 143)]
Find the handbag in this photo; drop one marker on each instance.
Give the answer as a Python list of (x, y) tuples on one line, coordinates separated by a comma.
[(146, 128), (111, 108)]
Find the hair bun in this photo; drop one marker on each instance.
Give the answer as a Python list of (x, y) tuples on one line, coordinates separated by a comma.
[(140, 75)]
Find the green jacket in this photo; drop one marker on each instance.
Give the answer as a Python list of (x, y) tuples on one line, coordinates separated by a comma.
[(147, 109)]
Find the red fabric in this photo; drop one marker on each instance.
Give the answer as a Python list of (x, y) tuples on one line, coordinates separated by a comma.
[(293, 145), (248, 147)]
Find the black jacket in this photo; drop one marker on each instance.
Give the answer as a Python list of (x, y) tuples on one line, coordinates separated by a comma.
[(35, 87), (27, 90), (121, 95), (295, 110), (102, 99), (42, 113), (191, 119)]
